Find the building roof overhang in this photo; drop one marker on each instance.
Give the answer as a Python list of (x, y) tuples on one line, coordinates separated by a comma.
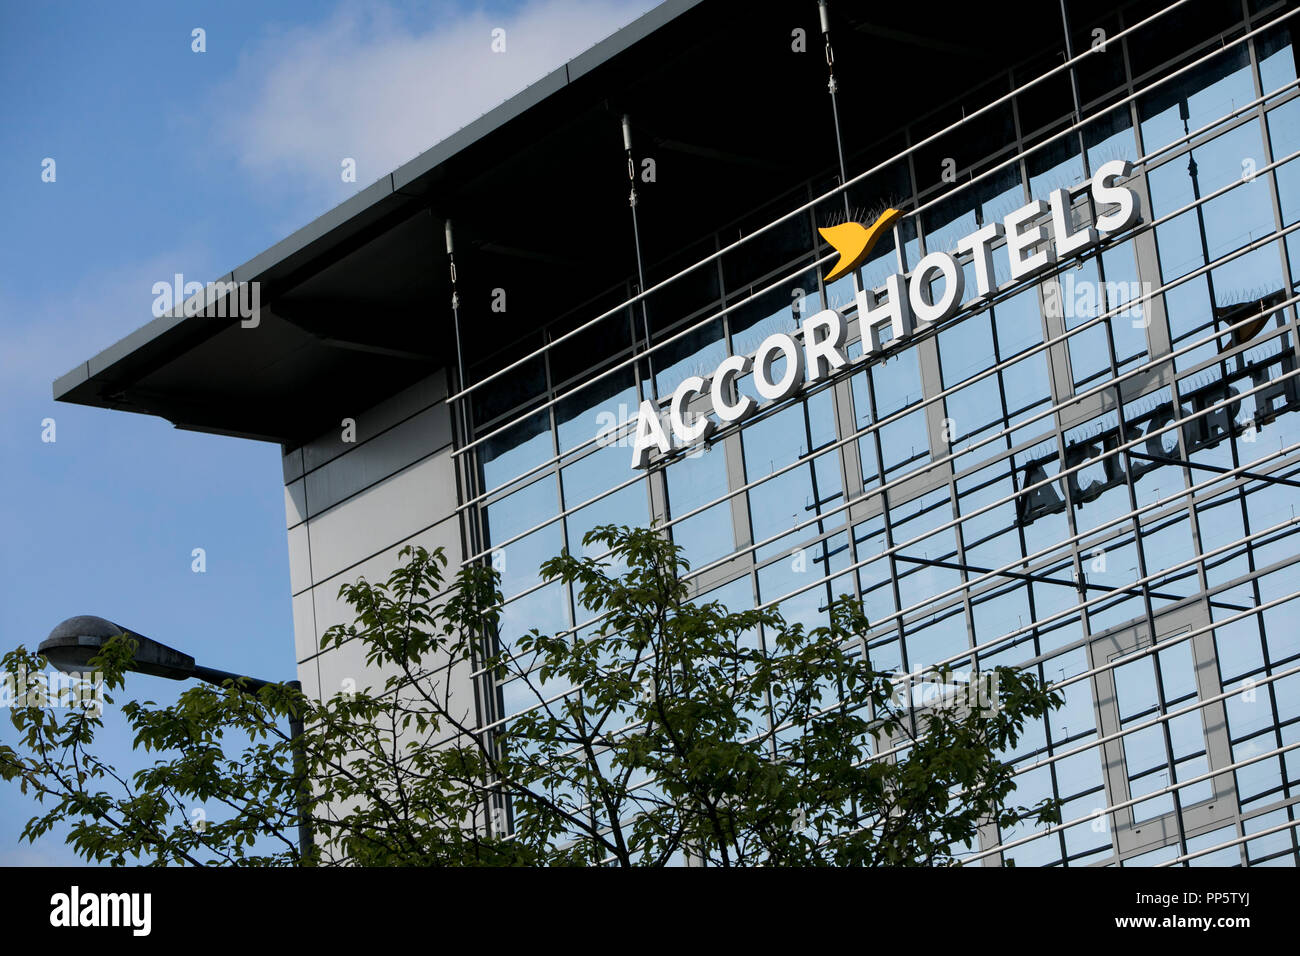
[(356, 305)]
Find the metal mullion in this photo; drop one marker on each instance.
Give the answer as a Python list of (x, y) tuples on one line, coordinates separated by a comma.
[(1178, 423), (1010, 459), (886, 520), (1240, 840), (1060, 392), (1137, 653), (733, 445), (886, 506), (1056, 408), (1138, 544), (739, 495), (1067, 611), (1022, 629), (1123, 804), (1132, 801), (555, 472), (1119, 660), (1288, 318)]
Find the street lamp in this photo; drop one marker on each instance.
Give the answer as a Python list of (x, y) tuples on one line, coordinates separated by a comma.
[(73, 643)]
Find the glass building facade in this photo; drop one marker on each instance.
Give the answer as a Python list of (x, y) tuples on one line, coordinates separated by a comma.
[(1093, 474)]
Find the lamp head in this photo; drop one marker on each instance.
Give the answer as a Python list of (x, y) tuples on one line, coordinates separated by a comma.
[(73, 643)]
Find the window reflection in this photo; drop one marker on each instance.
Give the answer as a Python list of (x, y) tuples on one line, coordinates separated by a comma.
[(692, 482), (998, 589), (516, 450), (593, 475), (1197, 98)]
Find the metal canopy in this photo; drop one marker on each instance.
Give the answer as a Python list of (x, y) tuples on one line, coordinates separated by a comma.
[(356, 305)]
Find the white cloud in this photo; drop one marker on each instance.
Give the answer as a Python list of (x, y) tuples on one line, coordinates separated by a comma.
[(365, 84)]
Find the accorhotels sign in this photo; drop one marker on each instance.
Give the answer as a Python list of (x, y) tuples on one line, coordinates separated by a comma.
[(934, 292)]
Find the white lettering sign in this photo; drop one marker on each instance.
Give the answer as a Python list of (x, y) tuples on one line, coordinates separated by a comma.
[(932, 293)]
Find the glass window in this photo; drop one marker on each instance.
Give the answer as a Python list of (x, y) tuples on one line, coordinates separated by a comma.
[(896, 383), (1197, 98), (1219, 225), (593, 475), (775, 248), (508, 392), (1146, 751), (758, 316), (516, 450), (693, 482), (696, 352), (778, 503), (1018, 322), (1123, 290), (1075, 719), (1284, 135), (519, 560), (998, 613), (874, 577), (1041, 502), (597, 411), (960, 214), (685, 299), (921, 575), (966, 348), (938, 638), (1057, 165), (1090, 348), (1277, 58), (544, 609), (1110, 136), (989, 538), (1238, 648)]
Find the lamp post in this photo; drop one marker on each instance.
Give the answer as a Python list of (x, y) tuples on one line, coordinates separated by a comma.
[(73, 643)]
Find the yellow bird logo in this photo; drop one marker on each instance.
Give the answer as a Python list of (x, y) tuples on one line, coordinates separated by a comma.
[(854, 241)]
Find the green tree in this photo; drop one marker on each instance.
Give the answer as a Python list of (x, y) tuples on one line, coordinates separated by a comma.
[(668, 732)]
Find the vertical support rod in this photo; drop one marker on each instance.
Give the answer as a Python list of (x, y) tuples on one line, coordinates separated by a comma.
[(487, 699), (833, 86), (632, 201)]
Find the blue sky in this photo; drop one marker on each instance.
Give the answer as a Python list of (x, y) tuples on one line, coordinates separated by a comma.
[(168, 161)]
